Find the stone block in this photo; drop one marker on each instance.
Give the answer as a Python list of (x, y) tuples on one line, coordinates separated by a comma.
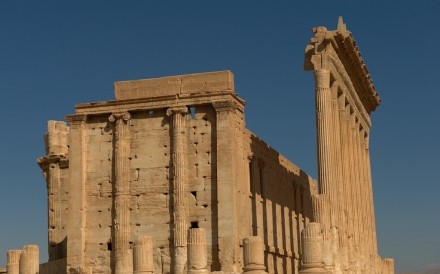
[(222, 81)]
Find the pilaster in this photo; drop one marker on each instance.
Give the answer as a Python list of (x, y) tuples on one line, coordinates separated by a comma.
[(121, 195), (228, 114), (76, 198), (180, 184)]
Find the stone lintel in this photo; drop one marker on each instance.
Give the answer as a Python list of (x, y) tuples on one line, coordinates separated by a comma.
[(209, 82), (154, 103)]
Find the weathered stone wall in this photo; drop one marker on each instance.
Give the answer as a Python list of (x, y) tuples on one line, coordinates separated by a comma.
[(276, 195)]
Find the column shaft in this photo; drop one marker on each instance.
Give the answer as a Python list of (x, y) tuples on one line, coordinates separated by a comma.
[(121, 195), (180, 182), (143, 262), (324, 130), (229, 119), (30, 260), (13, 262), (77, 198), (197, 252)]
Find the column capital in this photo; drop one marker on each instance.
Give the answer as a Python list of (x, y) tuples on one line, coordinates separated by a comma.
[(177, 110), (119, 115), (322, 79)]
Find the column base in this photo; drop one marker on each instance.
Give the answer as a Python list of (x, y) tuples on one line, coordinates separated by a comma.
[(313, 268)]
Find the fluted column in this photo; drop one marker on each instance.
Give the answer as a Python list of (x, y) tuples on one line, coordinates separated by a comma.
[(197, 251), (345, 196), (367, 195), (143, 262), (354, 179), (30, 260), (180, 185), (253, 255), (338, 200), (121, 195), (13, 262), (371, 198), (324, 129), (312, 241)]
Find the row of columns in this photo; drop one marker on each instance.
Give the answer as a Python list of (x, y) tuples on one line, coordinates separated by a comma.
[(344, 206), (197, 254), (24, 261)]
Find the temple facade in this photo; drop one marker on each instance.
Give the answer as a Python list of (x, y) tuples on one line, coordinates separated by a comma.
[(166, 178)]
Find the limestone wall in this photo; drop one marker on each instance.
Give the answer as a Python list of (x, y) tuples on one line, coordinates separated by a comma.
[(276, 195)]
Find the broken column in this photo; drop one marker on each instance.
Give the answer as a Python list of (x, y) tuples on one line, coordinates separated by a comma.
[(13, 260), (197, 251), (253, 254), (312, 241), (29, 260), (143, 255), (121, 194)]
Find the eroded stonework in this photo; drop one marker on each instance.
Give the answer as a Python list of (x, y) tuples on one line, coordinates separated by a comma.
[(167, 179)]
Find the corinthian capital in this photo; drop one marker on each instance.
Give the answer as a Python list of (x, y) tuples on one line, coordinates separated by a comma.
[(322, 78)]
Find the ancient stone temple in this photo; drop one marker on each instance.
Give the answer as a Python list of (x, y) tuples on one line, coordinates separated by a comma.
[(166, 178)]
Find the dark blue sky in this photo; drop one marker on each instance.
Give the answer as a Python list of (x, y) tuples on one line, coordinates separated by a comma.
[(55, 54)]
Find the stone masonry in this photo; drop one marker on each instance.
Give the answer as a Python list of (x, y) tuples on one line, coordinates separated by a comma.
[(166, 178)]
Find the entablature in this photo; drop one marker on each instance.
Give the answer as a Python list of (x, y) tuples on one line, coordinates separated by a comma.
[(347, 59)]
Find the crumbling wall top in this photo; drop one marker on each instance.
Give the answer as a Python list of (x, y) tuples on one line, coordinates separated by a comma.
[(210, 82)]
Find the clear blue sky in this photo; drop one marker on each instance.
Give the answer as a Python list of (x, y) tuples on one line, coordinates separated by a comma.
[(54, 54)]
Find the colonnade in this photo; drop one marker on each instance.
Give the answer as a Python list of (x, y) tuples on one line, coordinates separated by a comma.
[(344, 205)]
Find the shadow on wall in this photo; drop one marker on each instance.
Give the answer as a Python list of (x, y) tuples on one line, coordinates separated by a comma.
[(281, 205)]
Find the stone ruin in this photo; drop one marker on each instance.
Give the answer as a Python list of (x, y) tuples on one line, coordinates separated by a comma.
[(167, 179)]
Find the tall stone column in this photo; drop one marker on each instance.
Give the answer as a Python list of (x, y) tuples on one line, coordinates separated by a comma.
[(228, 114), (76, 220), (13, 262), (338, 184), (30, 260), (371, 199), (312, 241), (367, 194), (197, 252), (253, 255), (121, 195), (180, 185), (324, 127), (354, 180), (143, 262)]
